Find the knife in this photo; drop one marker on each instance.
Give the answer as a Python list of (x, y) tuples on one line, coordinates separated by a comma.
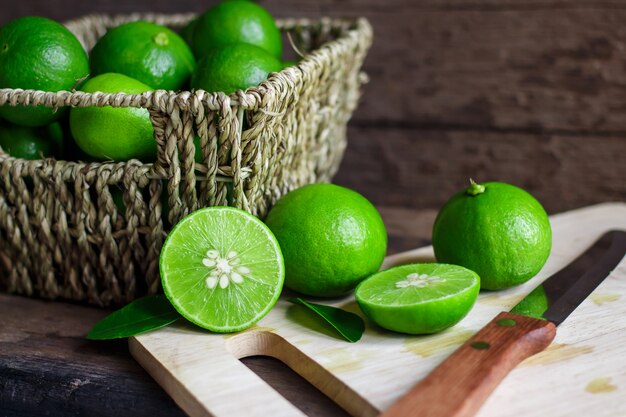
[(459, 386)]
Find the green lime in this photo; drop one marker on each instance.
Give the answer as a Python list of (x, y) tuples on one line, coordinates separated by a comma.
[(31, 142), (55, 133), (114, 133), (534, 304), (289, 63), (233, 67), (71, 151), (187, 31), (236, 21), (495, 229), (117, 195), (39, 54), (222, 269), (418, 298), (331, 238), (147, 52)]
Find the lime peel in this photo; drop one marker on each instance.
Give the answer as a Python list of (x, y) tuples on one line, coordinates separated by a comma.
[(332, 238), (418, 298), (504, 234), (161, 39)]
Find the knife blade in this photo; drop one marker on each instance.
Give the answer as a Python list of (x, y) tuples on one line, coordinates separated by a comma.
[(462, 383)]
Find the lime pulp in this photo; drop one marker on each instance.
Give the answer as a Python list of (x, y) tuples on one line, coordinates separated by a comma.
[(418, 298), (222, 269)]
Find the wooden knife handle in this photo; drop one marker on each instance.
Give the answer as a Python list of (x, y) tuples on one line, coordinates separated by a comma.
[(459, 386)]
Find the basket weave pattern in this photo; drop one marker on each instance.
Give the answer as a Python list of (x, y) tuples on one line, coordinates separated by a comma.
[(62, 235)]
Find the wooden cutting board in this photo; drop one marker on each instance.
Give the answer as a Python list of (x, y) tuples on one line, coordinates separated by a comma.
[(583, 373)]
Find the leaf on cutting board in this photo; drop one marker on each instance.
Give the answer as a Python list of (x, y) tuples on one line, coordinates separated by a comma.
[(147, 313), (349, 325)]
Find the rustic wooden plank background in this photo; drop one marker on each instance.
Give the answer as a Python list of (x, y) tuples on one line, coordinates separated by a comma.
[(530, 92)]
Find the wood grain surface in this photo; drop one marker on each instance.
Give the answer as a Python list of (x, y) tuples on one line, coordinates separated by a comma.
[(48, 367), (425, 167), (526, 92)]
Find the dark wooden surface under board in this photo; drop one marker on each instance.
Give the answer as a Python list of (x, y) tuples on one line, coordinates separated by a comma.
[(47, 367), (532, 93)]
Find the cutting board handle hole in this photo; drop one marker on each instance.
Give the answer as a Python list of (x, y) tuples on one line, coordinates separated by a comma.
[(293, 387), (322, 387)]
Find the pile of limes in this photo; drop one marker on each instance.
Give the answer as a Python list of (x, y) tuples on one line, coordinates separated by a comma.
[(223, 269), (232, 45)]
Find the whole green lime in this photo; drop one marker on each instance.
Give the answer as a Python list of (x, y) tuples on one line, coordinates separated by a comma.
[(234, 67), (236, 21), (187, 31), (331, 238), (147, 52), (39, 54), (114, 133), (495, 229), (31, 142)]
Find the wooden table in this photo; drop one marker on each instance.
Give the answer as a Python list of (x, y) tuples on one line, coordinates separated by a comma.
[(48, 367)]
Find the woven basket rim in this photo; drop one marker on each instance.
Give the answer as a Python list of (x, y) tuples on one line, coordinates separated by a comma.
[(92, 231), (249, 99)]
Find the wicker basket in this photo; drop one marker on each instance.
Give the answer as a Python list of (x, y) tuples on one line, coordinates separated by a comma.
[(62, 235)]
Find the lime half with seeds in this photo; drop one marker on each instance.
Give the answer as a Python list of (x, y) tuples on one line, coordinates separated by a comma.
[(222, 269), (418, 298)]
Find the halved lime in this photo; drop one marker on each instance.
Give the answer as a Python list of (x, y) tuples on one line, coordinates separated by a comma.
[(222, 269), (418, 298)]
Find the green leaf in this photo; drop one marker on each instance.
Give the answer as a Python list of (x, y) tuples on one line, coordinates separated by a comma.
[(349, 325), (147, 313)]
